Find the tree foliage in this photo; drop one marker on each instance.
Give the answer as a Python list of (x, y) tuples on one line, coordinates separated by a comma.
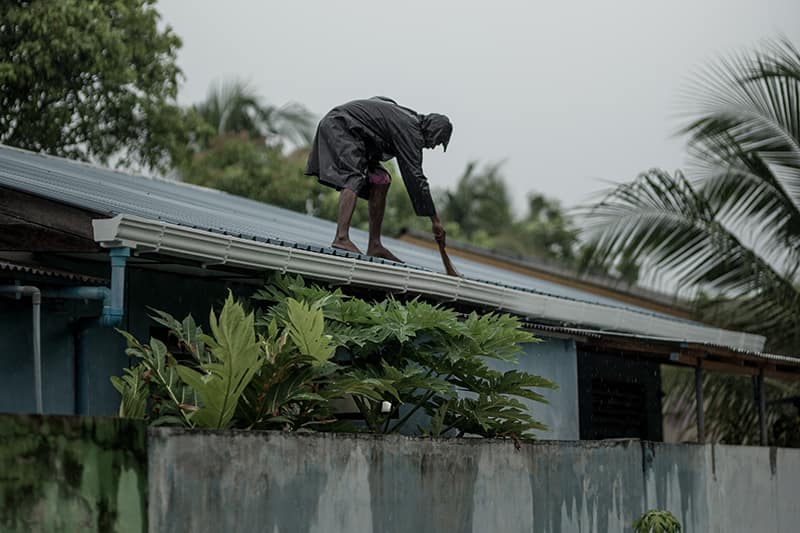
[(91, 80), (731, 408), (312, 347), (731, 231), (234, 107)]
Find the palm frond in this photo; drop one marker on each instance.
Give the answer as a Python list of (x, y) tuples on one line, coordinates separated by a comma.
[(748, 109), (665, 221), (234, 106)]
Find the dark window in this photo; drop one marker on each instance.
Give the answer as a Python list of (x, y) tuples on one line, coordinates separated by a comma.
[(618, 409), (618, 396)]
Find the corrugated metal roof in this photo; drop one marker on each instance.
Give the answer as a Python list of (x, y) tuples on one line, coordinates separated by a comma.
[(596, 334), (111, 192), (37, 270)]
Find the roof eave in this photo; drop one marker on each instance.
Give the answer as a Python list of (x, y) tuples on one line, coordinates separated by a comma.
[(218, 248)]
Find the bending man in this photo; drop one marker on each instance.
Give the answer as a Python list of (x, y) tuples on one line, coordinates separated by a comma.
[(351, 142)]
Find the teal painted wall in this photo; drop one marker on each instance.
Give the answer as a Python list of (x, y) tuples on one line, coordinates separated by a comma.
[(556, 360), (177, 294)]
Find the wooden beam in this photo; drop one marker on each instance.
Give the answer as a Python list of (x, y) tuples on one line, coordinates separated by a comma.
[(698, 395), (35, 238), (39, 211), (762, 408)]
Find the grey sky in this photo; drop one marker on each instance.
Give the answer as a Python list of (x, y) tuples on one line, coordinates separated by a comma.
[(567, 93)]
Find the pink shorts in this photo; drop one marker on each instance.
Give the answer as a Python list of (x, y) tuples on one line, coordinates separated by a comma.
[(380, 177)]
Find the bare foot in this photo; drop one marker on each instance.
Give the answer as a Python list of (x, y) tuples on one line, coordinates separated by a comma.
[(345, 244), (379, 251)]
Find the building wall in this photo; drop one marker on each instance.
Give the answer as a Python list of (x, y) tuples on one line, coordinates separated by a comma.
[(276, 482), (625, 413), (556, 360), (173, 293), (180, 295)]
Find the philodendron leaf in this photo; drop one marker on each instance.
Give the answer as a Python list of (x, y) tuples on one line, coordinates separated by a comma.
[(237, 356), (306, 328)]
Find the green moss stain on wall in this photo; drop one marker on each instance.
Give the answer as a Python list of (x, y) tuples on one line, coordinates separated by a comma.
[(60, 473)]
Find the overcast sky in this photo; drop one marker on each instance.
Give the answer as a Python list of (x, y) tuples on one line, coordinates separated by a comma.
[(567, 93)]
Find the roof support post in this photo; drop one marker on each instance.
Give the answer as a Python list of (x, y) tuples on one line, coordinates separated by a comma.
[(698, 392), (762, 407)]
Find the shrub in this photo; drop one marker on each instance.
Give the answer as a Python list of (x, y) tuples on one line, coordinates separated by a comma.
[(310, 345)]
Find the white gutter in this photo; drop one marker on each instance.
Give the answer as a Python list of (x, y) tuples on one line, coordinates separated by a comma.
[(215, 248)]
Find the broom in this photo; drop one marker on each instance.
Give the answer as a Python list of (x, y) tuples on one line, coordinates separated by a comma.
[(448, 265)]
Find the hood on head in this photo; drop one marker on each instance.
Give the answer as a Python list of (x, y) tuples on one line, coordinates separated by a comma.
[(436, 129)]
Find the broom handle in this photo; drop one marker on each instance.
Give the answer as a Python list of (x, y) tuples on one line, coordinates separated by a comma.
[(448, 265)]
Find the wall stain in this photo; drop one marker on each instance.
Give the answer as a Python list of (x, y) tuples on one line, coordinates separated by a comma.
[(62, 473)]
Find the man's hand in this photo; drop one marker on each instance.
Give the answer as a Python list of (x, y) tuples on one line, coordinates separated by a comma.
[(438, 230)]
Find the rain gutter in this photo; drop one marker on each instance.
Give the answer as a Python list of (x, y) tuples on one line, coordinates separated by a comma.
[(209, 248)]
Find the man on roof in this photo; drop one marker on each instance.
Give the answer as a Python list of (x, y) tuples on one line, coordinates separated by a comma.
[(351, 142)]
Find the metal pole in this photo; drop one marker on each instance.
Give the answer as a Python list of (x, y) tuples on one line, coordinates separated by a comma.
[(762, 407), (698, 392)]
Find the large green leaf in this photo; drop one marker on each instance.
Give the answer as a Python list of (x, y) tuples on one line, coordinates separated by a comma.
[(306, 327), (237, 355)]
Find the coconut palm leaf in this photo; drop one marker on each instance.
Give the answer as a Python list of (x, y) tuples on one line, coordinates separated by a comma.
[(732, 231), (233, 106), (672, 226), (745, 140)]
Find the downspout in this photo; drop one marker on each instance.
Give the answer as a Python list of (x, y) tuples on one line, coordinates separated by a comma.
[(36, 300), (113, 300)]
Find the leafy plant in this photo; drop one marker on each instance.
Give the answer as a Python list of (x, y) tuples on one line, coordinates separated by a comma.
[(236, 357), (656, 521), (311, 346), (423, 359)]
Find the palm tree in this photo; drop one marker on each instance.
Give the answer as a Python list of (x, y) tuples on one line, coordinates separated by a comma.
[(235, 107), (731, 231)]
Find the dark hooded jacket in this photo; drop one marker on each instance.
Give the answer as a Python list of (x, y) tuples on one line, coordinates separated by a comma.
[(353, 139)]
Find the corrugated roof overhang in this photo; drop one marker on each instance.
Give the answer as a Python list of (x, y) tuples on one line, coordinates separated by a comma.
[(212, 248)]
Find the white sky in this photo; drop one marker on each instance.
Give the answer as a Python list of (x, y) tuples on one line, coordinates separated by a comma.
[(569, 94)]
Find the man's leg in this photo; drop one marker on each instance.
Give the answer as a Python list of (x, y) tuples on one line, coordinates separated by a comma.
[(347, 205), (377, 207)]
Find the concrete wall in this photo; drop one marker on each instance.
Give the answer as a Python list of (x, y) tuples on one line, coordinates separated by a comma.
[(72, 474), (278, 482)]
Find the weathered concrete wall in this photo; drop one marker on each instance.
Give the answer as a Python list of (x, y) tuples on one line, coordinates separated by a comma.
[(276, 482), (72, 474)]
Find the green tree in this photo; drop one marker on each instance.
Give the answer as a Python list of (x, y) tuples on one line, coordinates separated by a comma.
[(731, 232), (91, 79), (479, 203), (546, 232), (246, 167), (235, 107)]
